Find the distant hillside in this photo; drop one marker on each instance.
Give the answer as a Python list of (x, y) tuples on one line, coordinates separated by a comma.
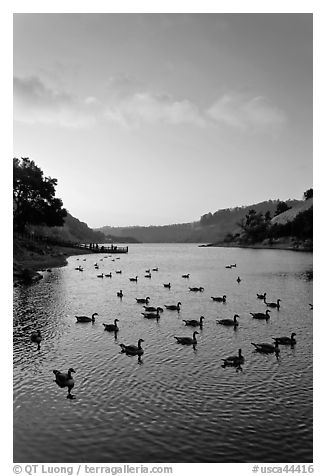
[(211, 227), (290, 215), (76, 231)]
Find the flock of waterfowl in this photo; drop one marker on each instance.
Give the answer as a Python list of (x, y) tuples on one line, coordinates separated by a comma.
[(151, 312)]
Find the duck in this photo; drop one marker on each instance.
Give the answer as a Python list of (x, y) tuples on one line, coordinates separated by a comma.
[(261, 296), (234, 360), (194, 322), (100, 275), (108, 275), (86, 318), (37, 338), (186, 275), (201, 289), (273, 304), (173, 307), (132, 349), (134, 279), (143, 300), (229, 322), (153, 309), (65, 380), (154, 269), (219, 299), (119, 293), (267, 348), (152, 315), (238, 279), (167, 285), (286, 340), (187, 340), (111, 327), (261, 315)]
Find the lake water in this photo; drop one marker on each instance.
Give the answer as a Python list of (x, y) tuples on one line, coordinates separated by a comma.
[(178, 404)]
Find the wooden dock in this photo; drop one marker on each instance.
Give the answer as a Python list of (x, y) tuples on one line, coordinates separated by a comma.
[(95, 248)]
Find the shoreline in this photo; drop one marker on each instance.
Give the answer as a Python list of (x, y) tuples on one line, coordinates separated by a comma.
[(262, 246)]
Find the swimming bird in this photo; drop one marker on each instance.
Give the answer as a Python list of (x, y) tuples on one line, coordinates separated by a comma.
[(100, 275), (111, 327), (187, 340), (147, 270), (229, 267), (186, 275), (118, 271), (286, 340), (65, 380), (148, 275), (134, 279), (234, 360), (239, 279), (37, 338), (229, 322), (173, 307), (109, 275), (261, 315), (219, 299), (153, 309), (194, 322), (267, 348), (119, 293), (143, 300), (311, 306), (233, 265), (86, 318), (133, 349), (152, 315), (154, 269), (167, 285), (273, 304), (261, 296), (201, 289)]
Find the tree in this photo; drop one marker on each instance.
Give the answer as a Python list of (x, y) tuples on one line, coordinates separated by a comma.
[(254, 226), (281, 207), (34, 197), (308, 194)]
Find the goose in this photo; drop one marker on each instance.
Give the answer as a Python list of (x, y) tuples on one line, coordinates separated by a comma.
[(154, 269), (96, 267), (118, 271), (148, 275), (134, 279), (219, 299), (187, 340), (173, 307), (273, 304), (111, 327), (86, 319), (234, 360), (167, 285), (152, 315), (261, 296), (267, 348), (132, 349), (143, 300), (286, 340), (201, 289), (229, 322), (109, 275), (118, 257), (36, 337), (239, 279), (186, 275), (65, 380), (229, 267), (100, 275), (233, 265), (153, 309), (194, 322), (119, 293), (261, 315), (147, 270)]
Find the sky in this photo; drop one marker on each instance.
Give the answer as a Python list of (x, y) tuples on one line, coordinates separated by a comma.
[(152, 119)]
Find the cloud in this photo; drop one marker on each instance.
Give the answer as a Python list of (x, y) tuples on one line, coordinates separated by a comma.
[(36, 103), (249, 114)]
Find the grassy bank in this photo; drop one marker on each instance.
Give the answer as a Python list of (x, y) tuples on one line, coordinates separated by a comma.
[(30, 257), (280, 244)]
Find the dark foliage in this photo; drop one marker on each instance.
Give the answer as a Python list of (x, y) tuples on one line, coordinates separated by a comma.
[(281, 207), (34, 197), (308, 194)]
